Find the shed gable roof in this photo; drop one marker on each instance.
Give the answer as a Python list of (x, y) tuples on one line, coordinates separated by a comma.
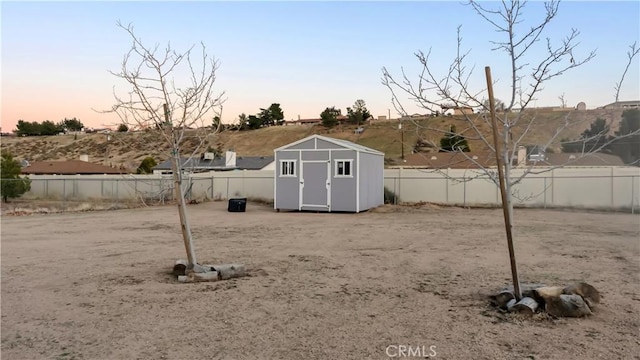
[(339, 142)]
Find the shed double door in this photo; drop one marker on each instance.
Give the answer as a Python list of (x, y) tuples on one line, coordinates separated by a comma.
[(315, 185)]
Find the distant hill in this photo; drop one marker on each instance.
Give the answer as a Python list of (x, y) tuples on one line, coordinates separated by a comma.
[(128, 149)]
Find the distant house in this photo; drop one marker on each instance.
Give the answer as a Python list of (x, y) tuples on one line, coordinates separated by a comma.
[(210, 163), (100, 131), (623, 105), (308, 121), (457, 110), (70, 167), (577, 159), (415, 116)]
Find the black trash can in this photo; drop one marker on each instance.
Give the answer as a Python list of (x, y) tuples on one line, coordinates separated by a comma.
[(237, 205)]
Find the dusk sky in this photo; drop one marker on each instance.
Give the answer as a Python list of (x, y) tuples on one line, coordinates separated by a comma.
[(304, 55)]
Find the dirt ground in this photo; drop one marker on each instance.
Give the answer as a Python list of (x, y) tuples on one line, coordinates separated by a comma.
[(96, 285)]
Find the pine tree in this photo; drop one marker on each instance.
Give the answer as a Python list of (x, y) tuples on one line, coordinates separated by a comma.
[(453, 141), (329, 116)]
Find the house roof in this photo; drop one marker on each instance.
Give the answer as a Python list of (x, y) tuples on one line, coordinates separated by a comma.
[(308, 121), (578, 159), (70, 167), (475, 160), (242, 163), (343, 143), (623, 103)]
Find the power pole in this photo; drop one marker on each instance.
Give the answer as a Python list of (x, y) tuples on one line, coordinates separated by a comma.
[(401, 138)]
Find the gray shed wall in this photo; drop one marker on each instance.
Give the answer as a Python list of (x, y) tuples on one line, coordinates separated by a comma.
[(287, 193), (328, 145), (309, 144), (315, 155), (367, 171), (371, 181), (343, 189)]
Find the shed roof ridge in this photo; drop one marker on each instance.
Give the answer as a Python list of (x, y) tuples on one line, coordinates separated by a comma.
[(340, 142)]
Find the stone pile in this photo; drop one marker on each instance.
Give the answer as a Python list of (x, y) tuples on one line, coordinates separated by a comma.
[(574, 300)]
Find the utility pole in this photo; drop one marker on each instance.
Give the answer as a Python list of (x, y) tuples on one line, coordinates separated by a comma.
[(401, 138), (106, 153)]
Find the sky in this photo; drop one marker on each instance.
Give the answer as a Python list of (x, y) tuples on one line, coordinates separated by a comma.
[(304, 55)]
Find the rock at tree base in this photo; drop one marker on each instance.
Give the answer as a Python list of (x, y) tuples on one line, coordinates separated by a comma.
[(502, 299), (547, 292), (575, 300), (567, 306), (590, 295)]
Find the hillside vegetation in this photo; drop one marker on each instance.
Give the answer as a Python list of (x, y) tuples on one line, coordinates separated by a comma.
[(129, 149)]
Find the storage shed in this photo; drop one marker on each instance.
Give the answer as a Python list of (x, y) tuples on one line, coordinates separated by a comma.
[(320, 173)]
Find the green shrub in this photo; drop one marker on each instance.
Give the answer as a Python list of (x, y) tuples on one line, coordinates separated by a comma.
[(146, 166), (389, 196)]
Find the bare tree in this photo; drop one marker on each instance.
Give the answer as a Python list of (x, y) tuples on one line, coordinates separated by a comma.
[(526, 80), (563, 101), (498, 104), (172, 93), (633, 51)]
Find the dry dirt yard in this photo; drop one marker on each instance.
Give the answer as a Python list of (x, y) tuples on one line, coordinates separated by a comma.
[(96, 285)]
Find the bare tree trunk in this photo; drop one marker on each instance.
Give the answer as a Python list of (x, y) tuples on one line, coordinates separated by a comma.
[(182, 211), (509, 206), (503, 179)]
